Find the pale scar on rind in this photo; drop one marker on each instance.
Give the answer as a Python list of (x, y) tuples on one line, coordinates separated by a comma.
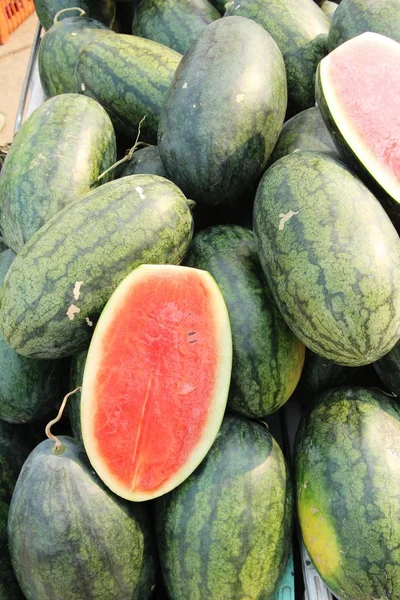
[(184, 87), (284, 218), (240, 97), (72, 311), (77, 289), (83, 87), (140, 192), (89, 322)]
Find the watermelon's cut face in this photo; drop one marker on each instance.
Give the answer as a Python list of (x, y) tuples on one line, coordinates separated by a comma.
[(156, 380), (361, 87)]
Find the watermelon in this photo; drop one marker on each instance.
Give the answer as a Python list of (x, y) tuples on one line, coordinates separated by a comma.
[(130, 77), (59, 52), (267, 358), (226, 531), (388, 369), (28, 388), (329, 9), (74, 403), (235, 69), (347, 488), (300, 28), (55, 158), (149, 421), (49, 13), (304, 131), (331, 257), (63, 277), (362, 123), (174, 23), (9, 588), (354, 17), (146, 160), (70, 537)]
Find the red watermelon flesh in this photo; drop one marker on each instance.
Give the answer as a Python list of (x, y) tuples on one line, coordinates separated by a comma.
[(361, 85), (156, 380)]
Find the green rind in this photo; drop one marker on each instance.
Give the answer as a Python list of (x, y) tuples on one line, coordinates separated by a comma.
[(28, 388), (267, 358), (331, 257), (391, 206), (300, 29), (70, 537), (74, 403), (304, 131), (14, 449), (388, 369), (354, 17), (347, 478), (234, 69), (55, 159), (174, 23), (226, 531), (59, 52), (144, 161), (9, 588), (103, 11), (96, 241), (129, 76)]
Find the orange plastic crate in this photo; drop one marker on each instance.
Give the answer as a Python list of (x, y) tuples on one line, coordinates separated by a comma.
[(12, 14)]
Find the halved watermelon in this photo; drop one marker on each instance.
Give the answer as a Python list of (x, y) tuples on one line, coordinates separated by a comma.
[(156, 380), (358, 92)]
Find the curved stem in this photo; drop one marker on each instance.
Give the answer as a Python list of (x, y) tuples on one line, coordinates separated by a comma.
[(129, 154), (51, 436), (64, 10)]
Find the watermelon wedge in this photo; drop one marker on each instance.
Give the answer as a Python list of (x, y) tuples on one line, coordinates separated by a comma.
[(358, 92), (156, 380)]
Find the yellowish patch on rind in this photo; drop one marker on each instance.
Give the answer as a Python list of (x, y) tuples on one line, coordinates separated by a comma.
[(217, 404)]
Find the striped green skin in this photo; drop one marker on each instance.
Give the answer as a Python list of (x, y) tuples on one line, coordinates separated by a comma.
[(349, 157), (174, 23), (59, 52), (348, 492), (28, 388), (304, 131), (130, 77), (55, 158), (267, 358), (103, 11), (388, 369), (144, 161), (300, 29), (141, 219), (320, 375), (226, 531), (331, 257), (9, 588), (74, 403), (354, 17), (70, 537), (235, 69)]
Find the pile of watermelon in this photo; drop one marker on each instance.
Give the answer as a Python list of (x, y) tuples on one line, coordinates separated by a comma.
[(200, 230)]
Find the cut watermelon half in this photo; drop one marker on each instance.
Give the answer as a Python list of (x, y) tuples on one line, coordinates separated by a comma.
[(358, 92), (156, 380)]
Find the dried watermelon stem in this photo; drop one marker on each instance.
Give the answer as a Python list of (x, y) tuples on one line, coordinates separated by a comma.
[(128, 155), (64, 10), (58, 446)]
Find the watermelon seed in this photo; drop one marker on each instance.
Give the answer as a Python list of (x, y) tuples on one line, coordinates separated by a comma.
[(59, 448)]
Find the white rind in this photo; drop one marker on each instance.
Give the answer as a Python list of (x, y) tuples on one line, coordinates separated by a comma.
[(354, 139), (217, 407)]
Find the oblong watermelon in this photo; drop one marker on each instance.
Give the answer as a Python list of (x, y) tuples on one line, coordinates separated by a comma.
[(223, 111), (331, 257), (56, 158), (64, 275), (348, 492), (267, 357), (70, 537), (358, 92), (156, 380), (226, 531)]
